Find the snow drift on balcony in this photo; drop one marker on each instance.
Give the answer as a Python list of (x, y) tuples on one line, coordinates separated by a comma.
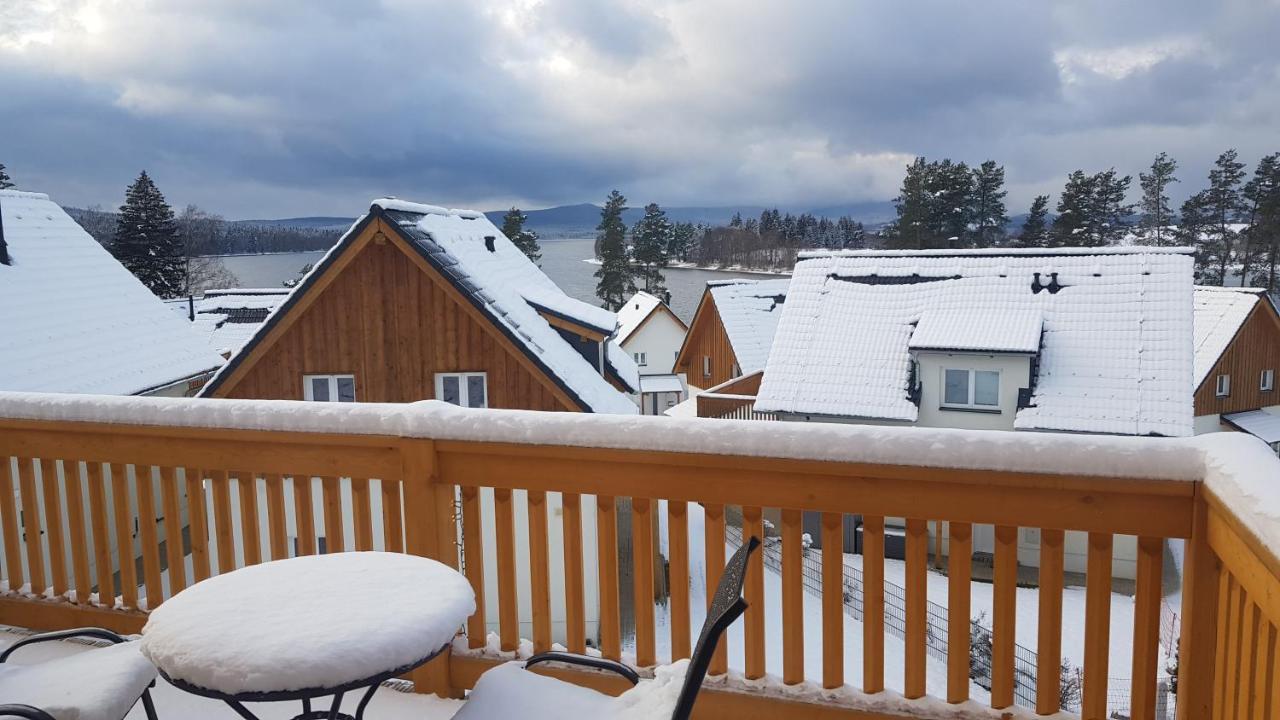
[(75, 320)]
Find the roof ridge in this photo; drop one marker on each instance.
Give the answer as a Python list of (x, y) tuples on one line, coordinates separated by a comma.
[(1001, 252)]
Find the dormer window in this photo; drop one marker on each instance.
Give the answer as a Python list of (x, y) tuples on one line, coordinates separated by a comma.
[(967, 389), (1223, 388)]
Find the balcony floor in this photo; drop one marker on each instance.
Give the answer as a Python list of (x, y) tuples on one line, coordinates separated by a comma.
[(388, 703)]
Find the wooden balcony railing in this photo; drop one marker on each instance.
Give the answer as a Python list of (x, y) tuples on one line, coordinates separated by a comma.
[(77, 473), (733, 400)]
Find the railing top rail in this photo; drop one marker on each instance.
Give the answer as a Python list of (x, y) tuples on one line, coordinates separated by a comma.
[(722, 396), (1047, 454)]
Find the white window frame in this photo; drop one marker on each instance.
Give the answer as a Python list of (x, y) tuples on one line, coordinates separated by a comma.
[(463, 386), (333, 386), (706, 366), (973, 389), (642, 359), (1268, 380), (1222, 387)]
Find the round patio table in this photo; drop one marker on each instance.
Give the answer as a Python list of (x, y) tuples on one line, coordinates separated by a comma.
[(307, 628)]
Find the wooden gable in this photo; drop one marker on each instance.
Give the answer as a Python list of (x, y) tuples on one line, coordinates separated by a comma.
[(382, 313), (1255, 347), (706, 338)]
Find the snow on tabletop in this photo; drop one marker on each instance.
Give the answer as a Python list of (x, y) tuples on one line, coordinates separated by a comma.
[(308, 622), (97, 684), (750, 310), (977, 328), (1115, 351), (633, 312), (1079, 454), (502, 280), (1219, 313), (76, 320)]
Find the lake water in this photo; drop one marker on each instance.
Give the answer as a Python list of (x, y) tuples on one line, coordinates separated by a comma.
[(562, 261)]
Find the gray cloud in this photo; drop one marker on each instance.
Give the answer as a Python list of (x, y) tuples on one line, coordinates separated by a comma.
[(305, 106)]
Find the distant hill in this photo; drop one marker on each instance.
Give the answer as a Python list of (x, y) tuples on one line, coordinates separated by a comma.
[(581, 219)]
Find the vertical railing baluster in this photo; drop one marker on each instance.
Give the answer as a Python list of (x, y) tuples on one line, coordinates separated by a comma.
[(223, 528), (1146, 628), (539, 570), (959, 599), (277, 526), (508, 607), (331, 492), (792, 597), (392, 522), (607, 558), (1004, 616), (678, 545), (473, 563), (713, 529), (832, 600), (198, 517), (574, 582), (101, 535), (53, 525), (872, 604), (250, 519), (172, 501), (9, 522), (1202, 583), (304, 510), (124, 536), (144, 485), (362, 513), (1049, 645), (753, 629), (917, 592), (642, 582), (79, 537), (1097, 627)]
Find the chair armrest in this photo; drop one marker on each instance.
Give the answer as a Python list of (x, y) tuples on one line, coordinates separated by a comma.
[(24, 711), (586, 661), (96, 633)]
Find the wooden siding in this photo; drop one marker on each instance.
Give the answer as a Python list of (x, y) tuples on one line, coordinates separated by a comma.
[(706, 337), (393, 322), (1256, 347)]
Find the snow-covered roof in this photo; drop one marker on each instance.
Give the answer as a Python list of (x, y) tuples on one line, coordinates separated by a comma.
[(749, 310), (75, 320), (634, 312), (231, 317), (1219, 313), (1261, 424), (1115, 351), (975, 328), (661, 383)]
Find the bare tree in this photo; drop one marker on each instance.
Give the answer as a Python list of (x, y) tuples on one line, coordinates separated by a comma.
[(201, 233)]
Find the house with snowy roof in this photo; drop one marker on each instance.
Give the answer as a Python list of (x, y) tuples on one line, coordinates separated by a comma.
[(230, 317), (1237, 352), (77, 321), (418, 302), (651, 332), (1080, 340), (732, 331)]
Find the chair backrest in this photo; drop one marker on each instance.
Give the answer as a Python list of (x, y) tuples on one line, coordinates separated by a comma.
[(726, 606)]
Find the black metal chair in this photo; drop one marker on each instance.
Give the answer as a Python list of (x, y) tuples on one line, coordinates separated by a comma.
[(124, 686), (511, 681)]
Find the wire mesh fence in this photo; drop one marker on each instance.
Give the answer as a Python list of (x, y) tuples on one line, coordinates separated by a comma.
[(936, 624)]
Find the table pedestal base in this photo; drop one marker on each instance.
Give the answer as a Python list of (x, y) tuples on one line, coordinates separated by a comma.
[(333, 713)]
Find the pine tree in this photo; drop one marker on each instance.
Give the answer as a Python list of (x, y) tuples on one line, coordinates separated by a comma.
[(987, 208), (1261, 194), (951, 187), (682, 235), (1109, 216), (1156, 213), (1194, 220), (5, 182), (527, 240), (911, 228), (1069, 227), (616, 280), (1225, 204), (147, 241), (650, 239), (1035, 231)]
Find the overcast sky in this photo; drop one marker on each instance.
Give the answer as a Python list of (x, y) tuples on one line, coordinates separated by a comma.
[(273, 108)]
